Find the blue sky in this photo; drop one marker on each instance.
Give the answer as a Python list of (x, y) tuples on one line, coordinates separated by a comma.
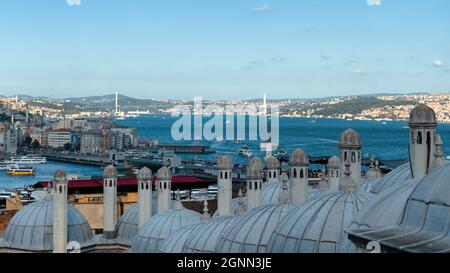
[(224, 49)]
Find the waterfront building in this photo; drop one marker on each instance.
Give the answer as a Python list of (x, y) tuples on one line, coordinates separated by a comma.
[(91, 141), (59, 138), (41, 136)]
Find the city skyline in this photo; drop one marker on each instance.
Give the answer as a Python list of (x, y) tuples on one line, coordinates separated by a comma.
[(223, 50)]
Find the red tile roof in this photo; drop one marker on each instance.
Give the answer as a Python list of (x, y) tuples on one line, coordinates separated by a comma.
[(123, 182)]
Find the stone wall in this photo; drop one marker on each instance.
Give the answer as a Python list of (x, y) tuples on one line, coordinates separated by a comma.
[(5, 218)]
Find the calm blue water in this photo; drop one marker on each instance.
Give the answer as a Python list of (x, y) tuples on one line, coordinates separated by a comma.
[(317, 137)]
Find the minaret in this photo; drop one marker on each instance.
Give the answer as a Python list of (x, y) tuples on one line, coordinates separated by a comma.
[(347, 183), (422, 131), (59, 194), (350, 148), (298, 176), (109, 202), (224, 183), (254, 183), (333, 167), (164, 186), (145, 186), (439, 157), (273, 169), (117, 103)]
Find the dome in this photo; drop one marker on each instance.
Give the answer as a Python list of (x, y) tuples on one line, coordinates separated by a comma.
[(271, 191), (224, 163), (424, 223), (127, 228), (145, 174), (251, 231), (367, 184), (273, 163), (110, 172), (317, 225), (400, 175), (175, 243), (160, 226), (422, 115), (334, 163), (299, 158), (350, 139), (31, 228), (254, 169), (164, 174), (204, 238)]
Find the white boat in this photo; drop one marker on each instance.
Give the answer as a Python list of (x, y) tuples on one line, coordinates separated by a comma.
[(28, 160), (245, 151)]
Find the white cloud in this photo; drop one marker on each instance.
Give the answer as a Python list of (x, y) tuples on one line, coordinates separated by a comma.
[(358, 72), (263, 8), (374, 2), (439, 63), (73, 2)]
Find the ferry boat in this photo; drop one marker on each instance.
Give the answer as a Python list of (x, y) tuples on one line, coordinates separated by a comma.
[(21, 171), (245, 151), (280, 153), (28, 160)]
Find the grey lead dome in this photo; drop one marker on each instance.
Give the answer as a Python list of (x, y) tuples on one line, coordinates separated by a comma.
[(349, 139), (224, 163), (164, 174), (160, 226), (145, 174), (273, 163), (422, 115), (254, 169), (317, 225), (298, 158), (31, 229), (110, 172), (251, 232)]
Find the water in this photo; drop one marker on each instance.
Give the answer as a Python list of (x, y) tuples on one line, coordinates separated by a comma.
[(317, 137)]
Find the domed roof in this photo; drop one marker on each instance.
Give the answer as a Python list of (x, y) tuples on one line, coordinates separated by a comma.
[(254, 169), (224, 162), (204, 238), (128, 224), (367, 184), (334, 163), (161, 226), (31, 228), (400, 175), (110, 172), (317, 225), (145, 174), (271, 191), (350, 139), (175, 242), (422, 115), (385, 209), (273, 163), (299, 158), (251, 231), (424, 225), (164, 174)]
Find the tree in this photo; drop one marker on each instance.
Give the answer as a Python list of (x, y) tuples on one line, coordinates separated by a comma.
[(67, 147), (27, 141), (35, 145)]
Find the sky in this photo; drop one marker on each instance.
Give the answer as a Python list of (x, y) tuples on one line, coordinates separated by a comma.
[(223, 49)]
